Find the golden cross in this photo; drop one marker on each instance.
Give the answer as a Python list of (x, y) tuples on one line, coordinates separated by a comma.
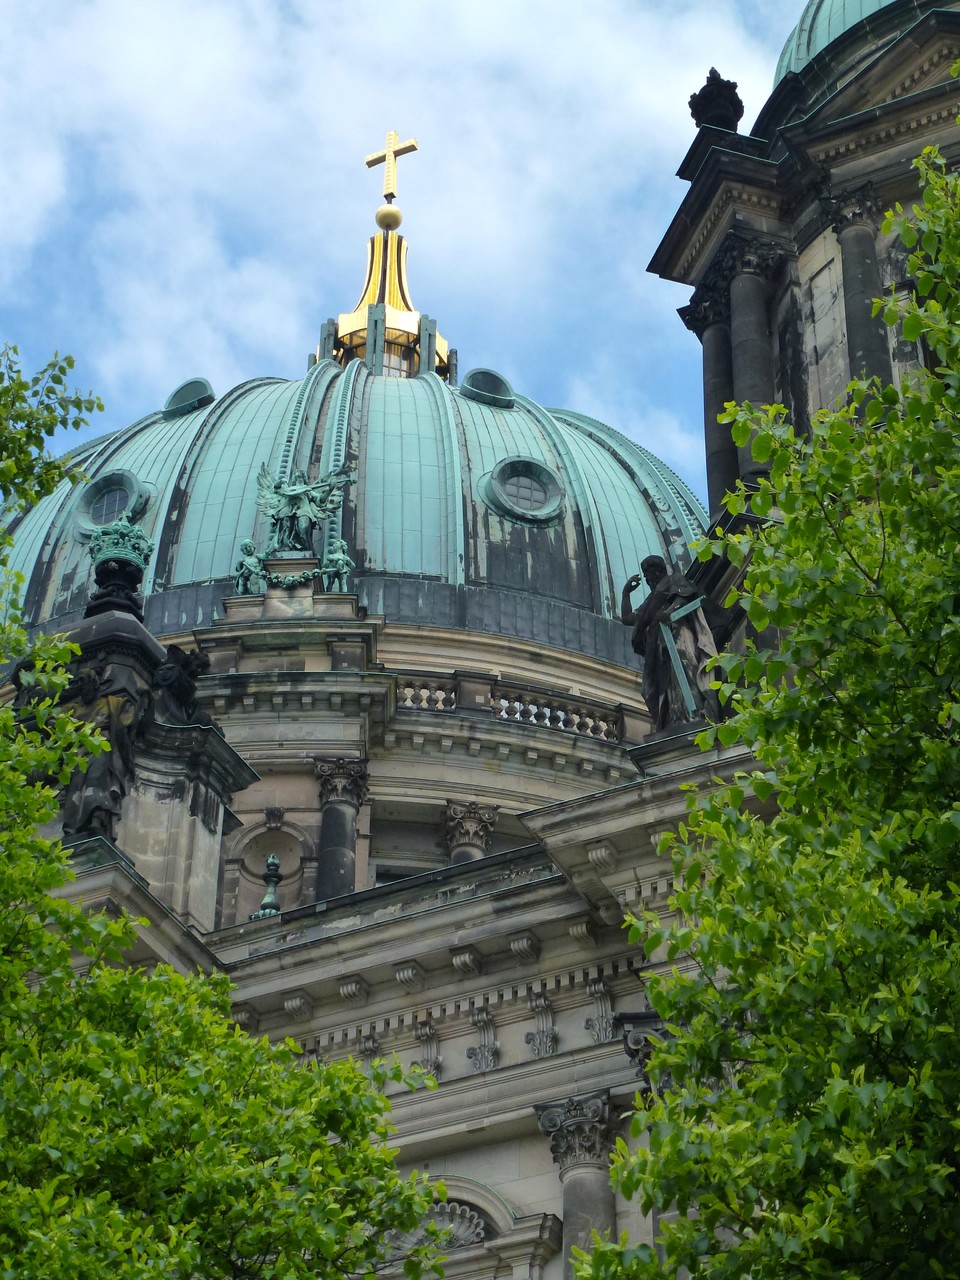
[(388, 158)]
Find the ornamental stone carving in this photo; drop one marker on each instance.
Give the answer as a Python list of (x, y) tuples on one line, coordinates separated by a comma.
[(709, 305), (642, 1032), (459, 1227), (485, 1055), (342, 781), (741, 254), (717, 104), (600, 1026), (579, 1129), (543, 1041), (859, 206), (354, 990), (469, 827), (425, 1033)]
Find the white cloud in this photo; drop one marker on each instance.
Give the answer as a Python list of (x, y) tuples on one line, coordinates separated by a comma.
[(188, 194)]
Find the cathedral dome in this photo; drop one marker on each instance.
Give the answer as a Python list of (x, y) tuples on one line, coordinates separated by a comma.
[(469, 507), (824, 21), (472, 507)]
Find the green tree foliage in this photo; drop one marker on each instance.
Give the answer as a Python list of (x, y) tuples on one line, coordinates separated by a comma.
[(807, 1122), (141, 1133)]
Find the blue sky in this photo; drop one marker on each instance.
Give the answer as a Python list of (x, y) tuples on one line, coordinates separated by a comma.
[(185, 191)]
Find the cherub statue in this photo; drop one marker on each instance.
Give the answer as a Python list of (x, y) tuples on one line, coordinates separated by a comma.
[(249, 569), (336, 566), (296, 507)]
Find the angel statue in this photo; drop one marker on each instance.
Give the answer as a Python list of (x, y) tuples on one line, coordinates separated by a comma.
[(296, 507)]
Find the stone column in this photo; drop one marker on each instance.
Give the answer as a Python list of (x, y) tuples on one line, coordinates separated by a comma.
[(343, 789), (855, 222), (708, 316), (748, 263), (581, 1139), (469, 827)]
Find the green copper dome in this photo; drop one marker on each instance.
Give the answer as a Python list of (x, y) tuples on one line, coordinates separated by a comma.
[(472, 507), (822, 22)]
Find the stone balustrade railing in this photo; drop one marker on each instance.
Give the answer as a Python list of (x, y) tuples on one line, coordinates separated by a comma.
[(514, 703)]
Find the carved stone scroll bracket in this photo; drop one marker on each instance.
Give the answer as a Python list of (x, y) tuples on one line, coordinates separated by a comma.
[(641, 1034), (468, 829), (246, 1018), (354, 990), (298, 1006), (485, 1055), (425, 1033), (601, 1024), (273, 817), (467, 961), (579, 1129), (368, 1048), (525, 946), (542, 1041), (410, 976)]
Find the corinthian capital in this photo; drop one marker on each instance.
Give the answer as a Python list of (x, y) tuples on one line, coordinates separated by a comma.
[(579, 1129), (744, 253), (858, 206), (343, 780), (470, 823), (709, 305)]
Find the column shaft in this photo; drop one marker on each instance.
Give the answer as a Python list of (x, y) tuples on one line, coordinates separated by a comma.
[(588, 1206), (336, 873), (867, 345), (751, 353), (721, 452)]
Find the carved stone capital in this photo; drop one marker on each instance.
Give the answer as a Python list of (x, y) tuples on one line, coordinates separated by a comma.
[(579, 1129), (342, 780), (743, 253), (856, 207), (470, 825), (709, 305)]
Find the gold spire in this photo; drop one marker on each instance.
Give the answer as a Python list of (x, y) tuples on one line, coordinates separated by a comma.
[(386, 282)]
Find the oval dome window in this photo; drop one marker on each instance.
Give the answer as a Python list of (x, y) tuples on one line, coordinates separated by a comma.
[(523, 489)]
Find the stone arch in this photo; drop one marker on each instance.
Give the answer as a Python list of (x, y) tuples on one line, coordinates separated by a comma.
[(245, 861)]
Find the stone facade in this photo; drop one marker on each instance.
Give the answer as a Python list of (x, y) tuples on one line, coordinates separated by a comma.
[(419, 839)]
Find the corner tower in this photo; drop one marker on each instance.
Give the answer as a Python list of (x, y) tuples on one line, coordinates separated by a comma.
[(779, 234)]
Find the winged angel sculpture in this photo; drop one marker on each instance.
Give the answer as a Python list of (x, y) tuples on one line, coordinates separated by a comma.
[(296, 508)]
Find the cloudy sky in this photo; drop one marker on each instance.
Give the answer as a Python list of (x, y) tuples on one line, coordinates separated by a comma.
[(184, 188)]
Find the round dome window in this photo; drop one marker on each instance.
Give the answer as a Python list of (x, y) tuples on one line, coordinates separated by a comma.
[(523, 489), (109, 496)]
